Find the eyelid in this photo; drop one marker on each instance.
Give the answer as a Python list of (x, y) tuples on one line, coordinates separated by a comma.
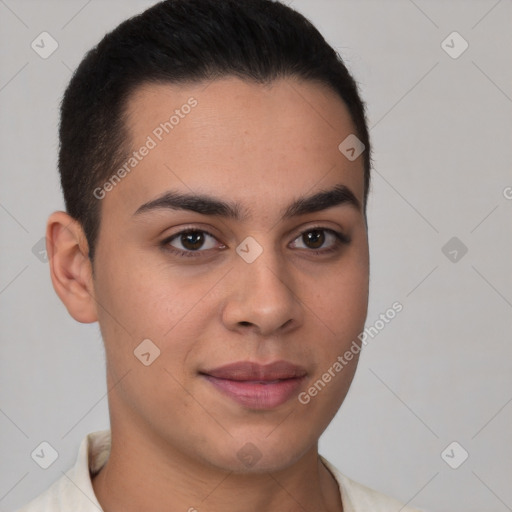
[(321, 226), (195, 227), (182, 231)]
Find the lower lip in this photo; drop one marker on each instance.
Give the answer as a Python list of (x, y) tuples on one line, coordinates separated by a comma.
[(256, 395)]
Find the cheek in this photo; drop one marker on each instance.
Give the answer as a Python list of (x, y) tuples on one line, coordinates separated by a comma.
[(342, 309), (160, 303), (142, 297), (341, 296), (340, 301), (139, 303)]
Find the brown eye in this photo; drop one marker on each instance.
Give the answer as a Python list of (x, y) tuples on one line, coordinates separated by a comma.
[(320, 240), (314, 239), (191, 241)]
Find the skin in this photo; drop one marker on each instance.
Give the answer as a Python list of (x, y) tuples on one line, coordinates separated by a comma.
[(175, 437)]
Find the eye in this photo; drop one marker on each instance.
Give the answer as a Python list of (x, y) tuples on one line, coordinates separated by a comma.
[(195, 242), (316, 238), (186, 243)]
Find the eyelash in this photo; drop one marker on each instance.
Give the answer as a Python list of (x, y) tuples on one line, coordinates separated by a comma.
[(341, 239)]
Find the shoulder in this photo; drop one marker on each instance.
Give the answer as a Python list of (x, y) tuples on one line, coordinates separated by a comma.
[(73, 490), (357, 497), (48, 500)]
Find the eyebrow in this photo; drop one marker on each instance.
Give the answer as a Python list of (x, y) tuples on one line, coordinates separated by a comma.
[(208, 205)]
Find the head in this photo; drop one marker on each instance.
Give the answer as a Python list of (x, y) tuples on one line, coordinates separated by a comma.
[(211, 212)]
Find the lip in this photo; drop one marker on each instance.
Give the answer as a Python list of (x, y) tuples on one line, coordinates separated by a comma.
[(255, 385)]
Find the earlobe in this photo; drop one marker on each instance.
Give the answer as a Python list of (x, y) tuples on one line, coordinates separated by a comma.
[(70, 267)]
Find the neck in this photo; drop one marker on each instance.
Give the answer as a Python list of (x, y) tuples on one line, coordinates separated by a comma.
[(163, 479)]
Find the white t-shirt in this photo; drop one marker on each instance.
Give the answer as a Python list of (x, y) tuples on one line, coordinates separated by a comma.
[(73, 492)]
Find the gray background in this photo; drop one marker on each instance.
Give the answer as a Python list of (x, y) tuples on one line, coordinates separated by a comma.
[(439, 372)]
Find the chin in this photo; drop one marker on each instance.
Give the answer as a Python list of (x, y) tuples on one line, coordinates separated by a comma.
[(255, 454)]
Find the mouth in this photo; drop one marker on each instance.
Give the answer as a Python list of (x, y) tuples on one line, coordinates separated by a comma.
[(257, 386)]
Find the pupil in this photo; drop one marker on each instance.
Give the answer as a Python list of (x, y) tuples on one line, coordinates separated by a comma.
[(192, 240), (314, 239)]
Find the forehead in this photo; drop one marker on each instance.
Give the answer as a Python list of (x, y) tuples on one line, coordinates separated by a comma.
[(256, 143)]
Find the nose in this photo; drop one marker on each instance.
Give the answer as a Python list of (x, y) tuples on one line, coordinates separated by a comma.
[(262, 297)]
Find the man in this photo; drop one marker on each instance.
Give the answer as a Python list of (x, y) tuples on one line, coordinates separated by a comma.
[(215, 163)]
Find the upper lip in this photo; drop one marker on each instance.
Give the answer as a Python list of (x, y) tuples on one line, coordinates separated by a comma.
[(251, 371)]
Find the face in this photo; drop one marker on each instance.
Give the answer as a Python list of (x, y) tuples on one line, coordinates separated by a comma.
[(247, 302)]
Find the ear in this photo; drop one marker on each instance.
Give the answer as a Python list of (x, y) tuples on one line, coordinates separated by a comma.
[(70, 267)]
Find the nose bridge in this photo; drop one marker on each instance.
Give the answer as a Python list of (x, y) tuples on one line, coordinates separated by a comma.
[(262, 293)]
